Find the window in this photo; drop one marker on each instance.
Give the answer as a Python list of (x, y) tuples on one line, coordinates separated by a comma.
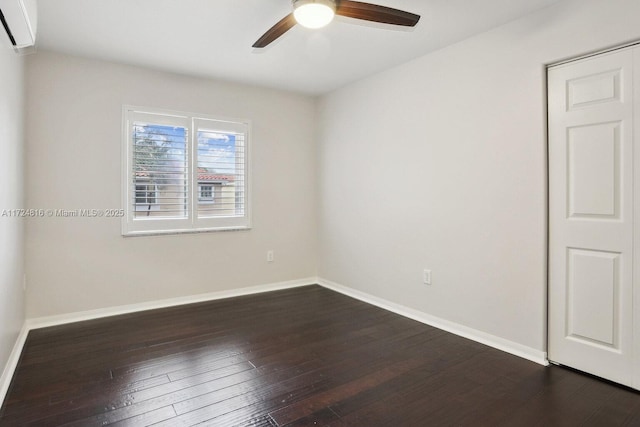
[(206, 193), (145, 194), (184, 172), (145, 197)]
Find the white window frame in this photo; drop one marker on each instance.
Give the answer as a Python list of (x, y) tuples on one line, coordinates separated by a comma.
[(132, 226)]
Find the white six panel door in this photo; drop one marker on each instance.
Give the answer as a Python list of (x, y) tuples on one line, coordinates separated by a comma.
[(591, 206)]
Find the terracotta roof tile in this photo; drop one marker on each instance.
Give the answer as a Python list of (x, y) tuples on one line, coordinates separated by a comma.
[(203, 175)]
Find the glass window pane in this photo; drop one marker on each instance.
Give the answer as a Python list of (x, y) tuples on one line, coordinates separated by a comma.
[(160, 171), (220, 173)]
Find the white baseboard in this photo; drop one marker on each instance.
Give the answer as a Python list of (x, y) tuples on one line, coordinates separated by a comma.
[(12, 363), (43, 322), (502, 344)]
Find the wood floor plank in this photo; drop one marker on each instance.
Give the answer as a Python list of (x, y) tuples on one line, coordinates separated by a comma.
[(325, 399), (148, 418), (297, 357)]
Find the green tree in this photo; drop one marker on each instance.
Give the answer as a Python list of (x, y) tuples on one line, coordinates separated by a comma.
[(151, 165), (151, 152)]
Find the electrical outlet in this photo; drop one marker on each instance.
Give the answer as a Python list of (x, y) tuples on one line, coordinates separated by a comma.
[(270, 257), (426, 276)]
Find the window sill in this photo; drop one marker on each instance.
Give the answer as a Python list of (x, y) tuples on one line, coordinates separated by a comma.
[(188, 231)]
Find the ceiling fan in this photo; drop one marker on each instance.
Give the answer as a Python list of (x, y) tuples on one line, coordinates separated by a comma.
[(318, 13)]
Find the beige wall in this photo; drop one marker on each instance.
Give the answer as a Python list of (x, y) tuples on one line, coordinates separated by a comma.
[(11, 197), (74, 119), (441, 164)]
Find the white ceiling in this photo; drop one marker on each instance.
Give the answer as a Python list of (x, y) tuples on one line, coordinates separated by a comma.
[(213, 38)]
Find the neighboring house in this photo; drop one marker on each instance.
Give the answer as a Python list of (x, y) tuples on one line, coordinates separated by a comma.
[(216, 194), (162, 197)]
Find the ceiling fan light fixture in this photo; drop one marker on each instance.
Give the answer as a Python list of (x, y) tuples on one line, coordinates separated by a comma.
[(314, 13), (318, 13)]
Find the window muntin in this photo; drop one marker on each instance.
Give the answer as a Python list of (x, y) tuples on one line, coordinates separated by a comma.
[(184, 173)]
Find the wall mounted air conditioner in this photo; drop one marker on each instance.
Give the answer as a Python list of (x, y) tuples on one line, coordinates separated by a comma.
[(20, 21)]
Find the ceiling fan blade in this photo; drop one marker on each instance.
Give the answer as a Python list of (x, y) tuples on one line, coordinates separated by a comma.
[(376, 13), (284, 25)]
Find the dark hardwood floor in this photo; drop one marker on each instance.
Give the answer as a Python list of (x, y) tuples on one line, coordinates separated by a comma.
[(300, 357)]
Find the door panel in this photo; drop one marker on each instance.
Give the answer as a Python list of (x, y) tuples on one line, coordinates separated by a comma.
[(591, 108), (595, 88), (594, 170), (592, 296)]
